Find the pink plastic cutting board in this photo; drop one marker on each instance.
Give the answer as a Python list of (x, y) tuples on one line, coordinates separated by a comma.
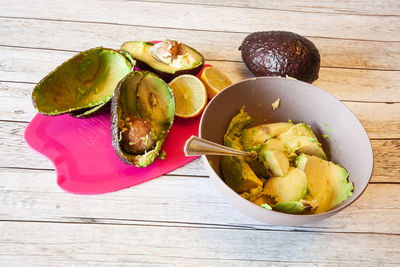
[(84, 158)]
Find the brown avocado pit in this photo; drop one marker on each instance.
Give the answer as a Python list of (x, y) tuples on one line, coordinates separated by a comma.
[(281, 53), (167, 51), (137, 135)]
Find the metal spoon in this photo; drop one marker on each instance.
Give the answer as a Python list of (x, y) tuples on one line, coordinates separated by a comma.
[(196, 146)]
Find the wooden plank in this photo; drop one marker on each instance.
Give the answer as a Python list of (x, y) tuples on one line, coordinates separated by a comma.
[(31, 65), (376, 123), (214, 45), (381, 120), (386, 160), (176, 201), (373, 8), (179, 218), (111, 245), (360, 85), (154, 14), (13, 146)]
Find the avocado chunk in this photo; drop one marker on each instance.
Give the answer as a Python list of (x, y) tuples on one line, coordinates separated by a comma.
[(168, 59), (327, 182), (275, 161), (299, 129), (235, 128), (294, 207), (281, 53), (274, 157), (142, 112), (83, 84), (254, 136), (301, 139), (237, 173), (291, 187)]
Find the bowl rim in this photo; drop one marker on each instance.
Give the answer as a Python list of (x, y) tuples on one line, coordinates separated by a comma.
[(287, 215)]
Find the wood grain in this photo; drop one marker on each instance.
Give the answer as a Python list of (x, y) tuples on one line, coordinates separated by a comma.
[(373, 8), (180, 218), (32, 65), (13, 146), (80, 244), (336, 52), (381, 120), (155, 14), (194, 200)]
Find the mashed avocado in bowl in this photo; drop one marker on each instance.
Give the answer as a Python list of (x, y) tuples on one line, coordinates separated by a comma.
[(284, 185), (291, 173)]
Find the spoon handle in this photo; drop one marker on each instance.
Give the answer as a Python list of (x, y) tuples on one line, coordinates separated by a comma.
[(196, 146)]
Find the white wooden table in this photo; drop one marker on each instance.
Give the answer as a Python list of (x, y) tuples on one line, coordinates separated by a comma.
[(179, 218)]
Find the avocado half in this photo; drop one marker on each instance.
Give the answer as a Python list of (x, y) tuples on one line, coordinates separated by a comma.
[(281, 53), (190, 61), (142, 113), (83, 84)]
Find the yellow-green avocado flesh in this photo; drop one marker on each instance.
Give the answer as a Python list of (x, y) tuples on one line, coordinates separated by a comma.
[(237, 173), (327, 182), (301, 180), (85, 82)]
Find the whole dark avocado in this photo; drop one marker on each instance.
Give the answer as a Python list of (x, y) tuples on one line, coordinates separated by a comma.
[(281, 53)]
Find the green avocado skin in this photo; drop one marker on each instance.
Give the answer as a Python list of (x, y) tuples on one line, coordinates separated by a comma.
[(165, 75), (281, 53)]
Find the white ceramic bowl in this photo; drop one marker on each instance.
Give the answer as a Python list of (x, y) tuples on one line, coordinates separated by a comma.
[(347, 145)]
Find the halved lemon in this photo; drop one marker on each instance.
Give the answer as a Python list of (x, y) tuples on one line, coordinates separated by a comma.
[(190, 95), (214, 80)]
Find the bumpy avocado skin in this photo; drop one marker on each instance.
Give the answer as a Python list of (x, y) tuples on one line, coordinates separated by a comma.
[(145, 96), (280, 53), (159, 68)]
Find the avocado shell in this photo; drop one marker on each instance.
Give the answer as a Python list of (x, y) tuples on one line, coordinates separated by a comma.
[(83, 84), (280, 53), (142, 95), (157, 67), (91, 112)]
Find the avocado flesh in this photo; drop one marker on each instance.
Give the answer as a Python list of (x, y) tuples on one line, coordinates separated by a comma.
[(291, 207), (288, 187), (85, 82), (301, 139), (327, 182), (275, 161), (236, 172), (155, 103), (254, 136), (274, 157), (190, 63), (238, 175), (145, 96), (291, 187)]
